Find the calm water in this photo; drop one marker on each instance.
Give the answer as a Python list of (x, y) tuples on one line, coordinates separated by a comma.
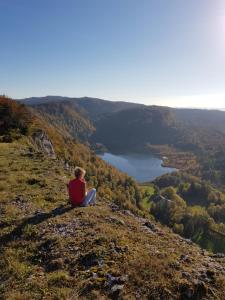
[(140, 166)]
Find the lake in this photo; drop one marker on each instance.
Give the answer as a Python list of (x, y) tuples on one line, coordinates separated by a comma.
[(142, 167)]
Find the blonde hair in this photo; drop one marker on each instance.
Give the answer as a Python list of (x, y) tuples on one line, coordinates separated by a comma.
[(78, 172)]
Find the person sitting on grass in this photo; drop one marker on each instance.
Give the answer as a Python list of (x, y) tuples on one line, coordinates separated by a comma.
[(78, 193)]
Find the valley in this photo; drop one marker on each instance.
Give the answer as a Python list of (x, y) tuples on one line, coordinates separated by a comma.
[(192, 140), (112, 150), (50, 250)]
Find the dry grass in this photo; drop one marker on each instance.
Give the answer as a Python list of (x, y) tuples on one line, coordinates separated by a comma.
[(70, 254)]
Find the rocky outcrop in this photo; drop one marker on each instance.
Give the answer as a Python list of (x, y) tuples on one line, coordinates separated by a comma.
[(43, 142)]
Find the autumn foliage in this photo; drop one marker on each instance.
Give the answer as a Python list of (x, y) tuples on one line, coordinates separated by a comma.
[(13, 116)]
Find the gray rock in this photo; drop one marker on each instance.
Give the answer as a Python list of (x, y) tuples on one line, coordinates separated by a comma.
[(186, 275), (90, 260), (116, 280), (150, 226), (188, 241), (175, 265), (185, 258), (218, 255), (114, 207), (43, 142), (128, 213), (116, 291), (203, 252), (115, 221), (21, 203)]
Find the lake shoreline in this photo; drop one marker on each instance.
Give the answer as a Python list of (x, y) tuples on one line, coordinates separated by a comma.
[(174, 158), (143, 167)]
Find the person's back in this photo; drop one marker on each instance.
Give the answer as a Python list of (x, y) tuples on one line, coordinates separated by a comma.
[(76, 191)]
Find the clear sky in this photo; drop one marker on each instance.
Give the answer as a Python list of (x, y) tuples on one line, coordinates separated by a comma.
[(165, 52)]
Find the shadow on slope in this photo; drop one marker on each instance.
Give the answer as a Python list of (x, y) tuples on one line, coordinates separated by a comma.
[(33, 220)]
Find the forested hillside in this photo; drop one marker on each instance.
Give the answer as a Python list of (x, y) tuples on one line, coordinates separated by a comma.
[(192, 207), (68, 150), (135, 128), (67, 115), (50, 251), (192, 139), (199, 118), (202, 118), (94, 107)]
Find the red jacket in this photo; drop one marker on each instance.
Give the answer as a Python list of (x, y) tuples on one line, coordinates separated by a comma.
[(76, 191)]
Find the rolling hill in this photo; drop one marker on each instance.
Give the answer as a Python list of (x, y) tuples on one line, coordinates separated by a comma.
[(111, 251)]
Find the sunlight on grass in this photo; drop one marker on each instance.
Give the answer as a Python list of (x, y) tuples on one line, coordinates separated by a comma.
[(147, 190)]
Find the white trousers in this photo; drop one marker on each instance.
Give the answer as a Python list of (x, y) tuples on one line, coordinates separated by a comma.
[(90, 198)]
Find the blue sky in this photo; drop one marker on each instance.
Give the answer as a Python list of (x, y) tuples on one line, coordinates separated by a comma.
[(165, 52)]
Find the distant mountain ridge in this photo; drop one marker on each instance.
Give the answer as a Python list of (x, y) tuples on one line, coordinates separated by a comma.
[(131, 127), (201, 117), (99, 112), (97, 106), (93, 106)]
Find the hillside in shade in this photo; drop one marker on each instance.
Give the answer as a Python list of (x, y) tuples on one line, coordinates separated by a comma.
[(134, 128), (114, 250), (93, 106)]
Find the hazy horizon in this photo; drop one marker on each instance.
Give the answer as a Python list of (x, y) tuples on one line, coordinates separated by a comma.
[(122, 100), (169, 53)]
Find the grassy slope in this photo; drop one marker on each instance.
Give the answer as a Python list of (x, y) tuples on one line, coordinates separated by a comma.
[(49, 251)]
